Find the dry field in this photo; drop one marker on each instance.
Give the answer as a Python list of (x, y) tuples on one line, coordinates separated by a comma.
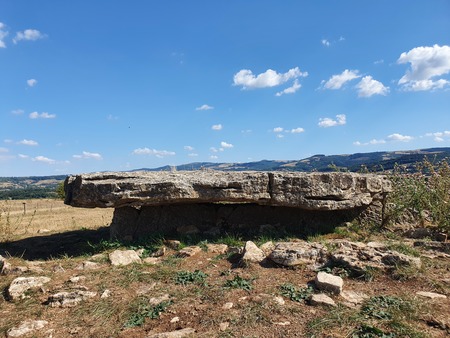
[(210, 292)]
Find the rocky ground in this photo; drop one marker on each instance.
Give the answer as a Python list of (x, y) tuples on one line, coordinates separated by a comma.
[(343, 284)]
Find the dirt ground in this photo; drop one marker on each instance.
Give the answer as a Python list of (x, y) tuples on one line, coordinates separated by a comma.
[(210, 306)]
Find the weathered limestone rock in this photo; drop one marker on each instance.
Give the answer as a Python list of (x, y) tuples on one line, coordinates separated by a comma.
[(252, 253), (88, 265), (220, 249), (189, 251), (353, 298), (20, 285), (296, 253), (26, 327), (321, 299), (431, 295), (328, 282), (69, 299), (124, 257), (174, 334)]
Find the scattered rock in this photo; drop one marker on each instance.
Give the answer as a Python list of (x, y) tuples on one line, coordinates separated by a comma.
[(220, 249), (8, 269), (431, 295), (267, 247), (152, 260), (175, 320), (87, 265), (174, 334), (189, 251), (20, 285), (227, 306), (321, 299), (145, 289), (26, 327), (124, 257), (69, 299), (235, 250), (279, 300), (328, 282), (252, 253), (296, 253), (418, 233), (159, 253), (99, 257), (172, 244), (77, 279), (399, 259), (58, 269), (105, 294), (283, 323), (353, 298), (158, 300), (224, 326)]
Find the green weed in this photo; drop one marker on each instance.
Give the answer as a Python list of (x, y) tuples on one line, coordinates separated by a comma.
[(185, 277), (294, 294), (146, 311), (239, 283)]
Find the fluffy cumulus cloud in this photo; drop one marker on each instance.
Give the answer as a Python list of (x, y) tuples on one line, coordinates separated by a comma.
[(188, 148), (371, 142), (28, 35), (368, 87), (427, 66), (400, 137), (440, 136), (329, 122), (338, 80), (325, 42), (290, 90), (217, 127), (26, 142), (297, 130), (204, 107), (88, 155), (157, 153), (35, 115), (278, 130), (32, 82), (3, 34), (270, 78), (226, 145), (43, 159)]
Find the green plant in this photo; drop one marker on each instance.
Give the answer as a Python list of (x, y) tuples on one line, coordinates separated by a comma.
[(186, 277), (146, 311), (294, 294), (239, 283), (368, 331), (60, 193)]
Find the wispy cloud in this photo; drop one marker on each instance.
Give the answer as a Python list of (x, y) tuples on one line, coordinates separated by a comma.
[(226, 145), (290, 90), (338, 80), (43, 159), (204, 107), (325, 42), (23, 156), (44, 115), (396, 137), (192, 154), (17, 112), (4, 150), (28, 35), (111, 117), (157, 153), (3, 35), (371, 142), (270, 78), (214, 157), (278, 129), (32, 82), (427, 64), (400, 137), (88, 155), (368, 87), (327, 122), (439, 136), (188, 148), (217, 127), (28, 142)]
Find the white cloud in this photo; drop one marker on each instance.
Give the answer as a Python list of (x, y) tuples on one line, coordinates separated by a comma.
[(214, 157), (17, 112), (399, 137), (280, 135), (278, 130), (427, 63), (28, 35), (328, 122), (217, 127), (371, 142), (111, 117), (440, 136), (43, 159), (290, 90), (188, 148), (325, 42), (88, 155), (32, 82), (270, 78), (378, 62), (368, 87), (3, 34), (226, 145), (23, 156), (157, 153), (213, 149), (338, 80), (204, 107), (36, 115), (192, 155), (28, 142), (297, 130), (4, 150)]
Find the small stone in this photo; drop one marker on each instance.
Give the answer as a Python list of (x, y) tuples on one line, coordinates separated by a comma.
[(252, 253), (158, 300), (279, 300), (140, 252), (69, 299), (8, 269), (328, 282), (227, 306), (220, 249), (172, 244), (87, 265), (283, 323), (151, 260), (175, 320), (105, 294), (26, 327), (18, 286), (224, 326), (77, 279), (189, 251), (431, 295), (43, 231), (321, 299), (353, 298), (145, 289), (124, 257), (174, 334)]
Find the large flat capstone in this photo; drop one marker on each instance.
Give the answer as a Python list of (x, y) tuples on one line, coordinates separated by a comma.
[(205, 199)]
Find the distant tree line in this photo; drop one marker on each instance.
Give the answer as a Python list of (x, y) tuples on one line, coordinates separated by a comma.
[(27, 193)]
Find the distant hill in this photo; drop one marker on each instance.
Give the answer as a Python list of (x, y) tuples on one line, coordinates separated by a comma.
[(376, 161), (29, 187)]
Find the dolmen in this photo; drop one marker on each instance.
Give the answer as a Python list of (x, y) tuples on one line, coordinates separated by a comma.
[(214, 202)]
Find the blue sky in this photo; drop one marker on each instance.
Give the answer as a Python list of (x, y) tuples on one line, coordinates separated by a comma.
[(118, 85)]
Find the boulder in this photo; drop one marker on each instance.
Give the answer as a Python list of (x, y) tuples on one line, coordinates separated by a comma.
[(321, 299), (328, 282), (252, 253), (20, 285), (124, 257), (296, 253)]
